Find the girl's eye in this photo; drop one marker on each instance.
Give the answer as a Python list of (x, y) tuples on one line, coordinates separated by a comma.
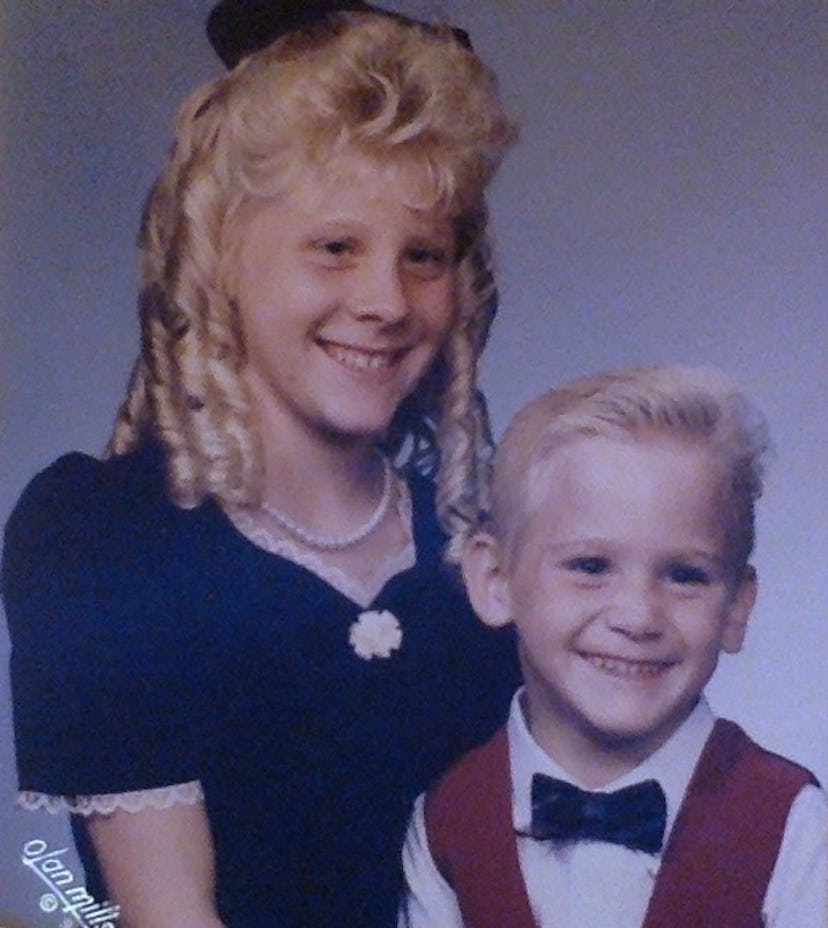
[(590, 566), (425, 255), (428, 262), (333, 251), (685, 574)]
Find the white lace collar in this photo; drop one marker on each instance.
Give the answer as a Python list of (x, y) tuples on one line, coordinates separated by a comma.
[(362, 592)]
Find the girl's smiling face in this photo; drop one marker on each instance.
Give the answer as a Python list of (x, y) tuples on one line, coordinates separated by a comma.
[(345, 291), (623, 597)]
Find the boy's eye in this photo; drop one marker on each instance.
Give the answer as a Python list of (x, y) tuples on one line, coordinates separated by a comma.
[(336, 246), (591, 566), (688, 574)]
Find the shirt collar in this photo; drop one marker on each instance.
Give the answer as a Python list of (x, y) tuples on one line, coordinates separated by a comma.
[(671, 765)]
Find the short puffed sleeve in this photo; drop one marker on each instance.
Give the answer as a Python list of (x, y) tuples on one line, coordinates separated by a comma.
[(107, 695)]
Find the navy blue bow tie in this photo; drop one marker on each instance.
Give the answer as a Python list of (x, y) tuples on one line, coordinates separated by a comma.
[(634, 817)]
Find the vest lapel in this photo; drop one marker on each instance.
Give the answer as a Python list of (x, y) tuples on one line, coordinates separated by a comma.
[(469, 821), (723, 846)]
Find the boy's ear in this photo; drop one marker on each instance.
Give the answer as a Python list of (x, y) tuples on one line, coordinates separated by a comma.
[(486, 579), (738, 613)]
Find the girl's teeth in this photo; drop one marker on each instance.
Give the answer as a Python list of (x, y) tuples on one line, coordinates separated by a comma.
[(359, 360), (622, 668)]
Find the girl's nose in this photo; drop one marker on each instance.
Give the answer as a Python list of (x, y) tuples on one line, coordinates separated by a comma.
[(381, 294)]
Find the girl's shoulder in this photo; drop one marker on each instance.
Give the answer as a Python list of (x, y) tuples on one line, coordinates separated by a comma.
[(78, 480), (80, 501)]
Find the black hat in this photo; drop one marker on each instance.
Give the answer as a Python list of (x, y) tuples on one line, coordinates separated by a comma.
[(236, 28)]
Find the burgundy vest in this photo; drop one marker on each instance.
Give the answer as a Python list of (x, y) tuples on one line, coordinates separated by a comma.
[(716, 866)]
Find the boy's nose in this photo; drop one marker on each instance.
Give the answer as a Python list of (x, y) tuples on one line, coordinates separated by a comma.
[(637, 612)]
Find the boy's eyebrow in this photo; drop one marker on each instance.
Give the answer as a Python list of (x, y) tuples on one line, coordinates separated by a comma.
[(577, 546), (586, 545), (704, 554)]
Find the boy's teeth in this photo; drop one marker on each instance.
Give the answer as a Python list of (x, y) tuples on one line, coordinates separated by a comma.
[(357, 359), (624, 668)]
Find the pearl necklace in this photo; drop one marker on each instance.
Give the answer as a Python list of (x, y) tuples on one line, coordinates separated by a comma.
[(338, 543)]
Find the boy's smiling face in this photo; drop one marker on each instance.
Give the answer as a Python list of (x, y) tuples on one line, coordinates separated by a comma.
[(619, 584)]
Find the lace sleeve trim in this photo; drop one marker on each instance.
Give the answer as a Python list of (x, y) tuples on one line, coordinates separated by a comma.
[(106, 803)]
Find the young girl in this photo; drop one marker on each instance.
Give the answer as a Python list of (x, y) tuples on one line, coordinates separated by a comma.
[(237, 656)]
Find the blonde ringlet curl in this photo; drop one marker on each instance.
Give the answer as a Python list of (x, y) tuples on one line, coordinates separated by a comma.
[(185, 391), (389, 89), (464, 434)]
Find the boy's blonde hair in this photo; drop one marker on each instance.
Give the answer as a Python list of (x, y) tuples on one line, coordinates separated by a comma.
[(696, 405), (371, 83)]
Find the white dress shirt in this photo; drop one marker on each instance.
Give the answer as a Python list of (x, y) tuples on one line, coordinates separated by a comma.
[(601, 885)]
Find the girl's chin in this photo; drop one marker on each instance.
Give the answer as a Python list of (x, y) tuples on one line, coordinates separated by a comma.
[(368, 431)]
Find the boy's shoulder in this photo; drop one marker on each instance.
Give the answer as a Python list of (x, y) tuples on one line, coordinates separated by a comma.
[(470, 806), (468, 823), (727, 836), (731, 755), (479, 771)]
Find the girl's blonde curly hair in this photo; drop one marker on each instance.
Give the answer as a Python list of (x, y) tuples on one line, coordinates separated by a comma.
[(386, 88)]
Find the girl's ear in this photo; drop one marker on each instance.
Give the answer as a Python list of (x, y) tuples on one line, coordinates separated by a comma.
[(487, 580), (738, 613)]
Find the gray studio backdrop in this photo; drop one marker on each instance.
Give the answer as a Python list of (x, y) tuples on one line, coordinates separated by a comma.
[(667, 202)]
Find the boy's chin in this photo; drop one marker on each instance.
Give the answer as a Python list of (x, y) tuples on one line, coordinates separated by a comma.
[(597, 750), (634, 742)]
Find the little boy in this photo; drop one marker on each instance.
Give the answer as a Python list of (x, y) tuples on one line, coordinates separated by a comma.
[(621, 527)]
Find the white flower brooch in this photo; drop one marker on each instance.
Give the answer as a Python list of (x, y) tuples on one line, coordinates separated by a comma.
[(375, 634)]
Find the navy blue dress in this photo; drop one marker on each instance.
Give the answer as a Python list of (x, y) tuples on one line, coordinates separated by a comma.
[(153, 645)]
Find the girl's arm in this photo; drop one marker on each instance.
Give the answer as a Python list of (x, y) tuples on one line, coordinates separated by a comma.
[(158, 865)]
